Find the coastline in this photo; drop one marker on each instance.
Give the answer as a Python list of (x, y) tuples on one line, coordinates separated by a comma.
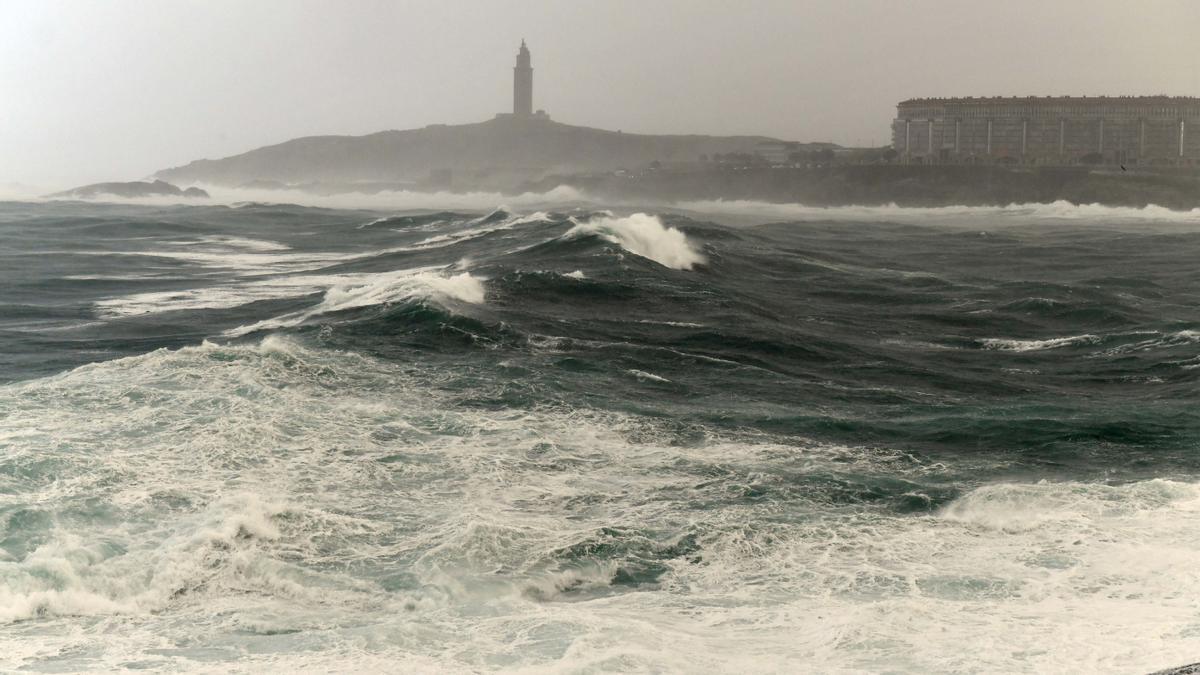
[(901, 185)]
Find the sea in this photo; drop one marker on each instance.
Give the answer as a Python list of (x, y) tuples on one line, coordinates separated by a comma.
[(551, 434)]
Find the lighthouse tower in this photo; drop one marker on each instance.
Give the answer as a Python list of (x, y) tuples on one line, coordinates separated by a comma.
[(523, 84)]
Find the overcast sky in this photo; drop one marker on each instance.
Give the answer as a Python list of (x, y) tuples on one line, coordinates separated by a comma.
[(116, 89)]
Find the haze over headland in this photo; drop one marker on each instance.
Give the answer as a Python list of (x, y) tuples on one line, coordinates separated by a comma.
[(120, 90)]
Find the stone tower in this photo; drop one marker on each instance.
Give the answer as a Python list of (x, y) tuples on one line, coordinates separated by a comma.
[(523, 84)]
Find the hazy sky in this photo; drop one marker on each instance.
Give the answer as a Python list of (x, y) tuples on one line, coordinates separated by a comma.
[(116, 89)]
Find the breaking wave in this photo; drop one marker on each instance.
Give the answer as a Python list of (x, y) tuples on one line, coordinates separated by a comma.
[(383, 199), (994, 215), (353, 292), (539, 439), (644, 235), (1037, 345), (255, 525)]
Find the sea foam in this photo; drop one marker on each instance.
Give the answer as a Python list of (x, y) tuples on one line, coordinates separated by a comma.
[(294, 499), (365, 290), (644, 235), (968, 216), (1013, 345)]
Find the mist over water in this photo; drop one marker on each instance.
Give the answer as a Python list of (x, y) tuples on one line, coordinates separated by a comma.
[(564, 435)]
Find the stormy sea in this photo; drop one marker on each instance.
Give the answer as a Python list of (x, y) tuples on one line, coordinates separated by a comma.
[(709, 437)]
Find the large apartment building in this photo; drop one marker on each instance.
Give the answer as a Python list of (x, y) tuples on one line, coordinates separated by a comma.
[(1062, 130)]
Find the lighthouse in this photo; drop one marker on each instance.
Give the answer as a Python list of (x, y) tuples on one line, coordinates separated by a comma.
[(523, 84)]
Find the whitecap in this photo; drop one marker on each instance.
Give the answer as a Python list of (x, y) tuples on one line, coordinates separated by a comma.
[(643, 375), (1013, 345), (365, 290), (1058, 211), (643, 235)]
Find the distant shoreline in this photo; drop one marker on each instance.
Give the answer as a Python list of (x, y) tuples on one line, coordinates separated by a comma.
[(902, 185), (514, 155), (839, 185)]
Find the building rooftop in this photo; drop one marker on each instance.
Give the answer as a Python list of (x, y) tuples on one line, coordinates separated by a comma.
[(989, 100)]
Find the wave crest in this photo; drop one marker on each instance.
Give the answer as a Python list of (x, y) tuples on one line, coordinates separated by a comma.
[(1015, 345), (951, 214), (381, 289), (646, 236)]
